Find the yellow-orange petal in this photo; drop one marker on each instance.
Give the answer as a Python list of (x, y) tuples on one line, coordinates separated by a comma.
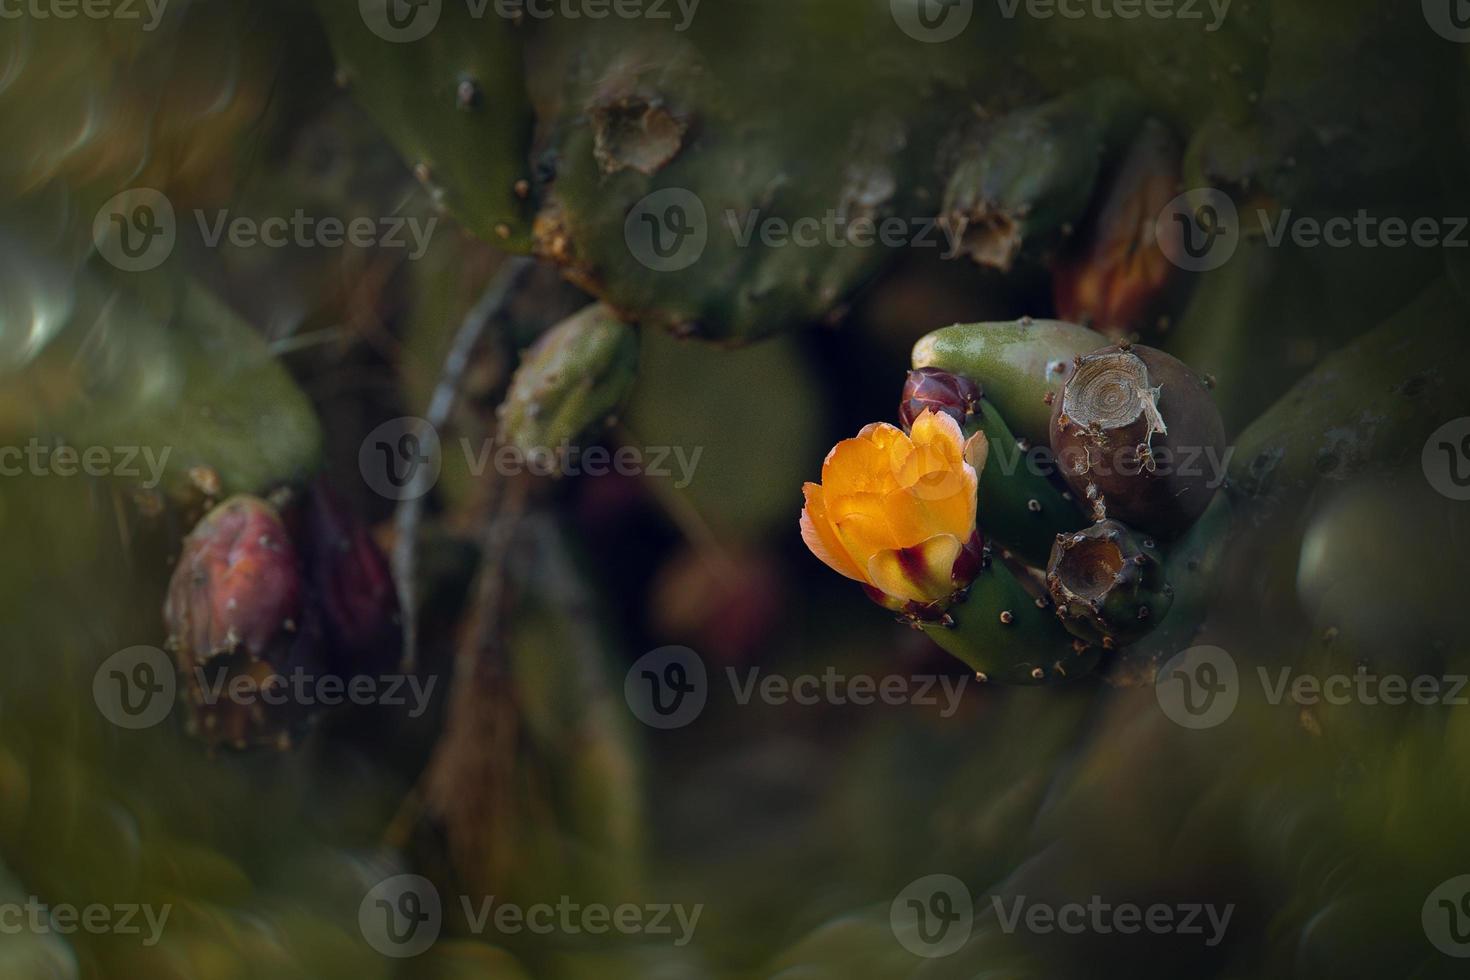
[(977, 452), (945, 507), (921, 573), (821, 538), (864, 535), (868, 463), (939, 431)]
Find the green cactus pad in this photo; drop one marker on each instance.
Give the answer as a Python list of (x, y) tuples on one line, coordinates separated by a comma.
[(454, 103)]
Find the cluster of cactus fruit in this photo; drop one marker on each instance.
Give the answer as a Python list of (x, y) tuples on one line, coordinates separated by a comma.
[(1112, 419)]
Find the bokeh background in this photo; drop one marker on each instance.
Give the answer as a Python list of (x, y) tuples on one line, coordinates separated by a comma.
[(1334, 833)]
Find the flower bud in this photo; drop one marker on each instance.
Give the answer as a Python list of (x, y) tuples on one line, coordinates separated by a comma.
[(1139, 438), (1116, 281), (1108, 584), (939, 391), (570, 381), (234, 616)]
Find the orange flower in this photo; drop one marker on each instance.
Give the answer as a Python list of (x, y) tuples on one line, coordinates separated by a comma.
[(896, 512)]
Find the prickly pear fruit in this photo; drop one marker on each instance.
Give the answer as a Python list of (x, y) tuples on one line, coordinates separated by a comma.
[(1019, 364), (1108, 583), (570, 381), (1010, 634), (234, 618), (1139, 438), (1032, 173), (351, 587), (1116, 279)]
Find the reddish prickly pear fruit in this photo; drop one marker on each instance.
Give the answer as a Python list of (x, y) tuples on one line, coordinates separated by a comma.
[(1139, 438), (351, 587), (938, 391), (234, 616), (1108, 584), (1117, 280)]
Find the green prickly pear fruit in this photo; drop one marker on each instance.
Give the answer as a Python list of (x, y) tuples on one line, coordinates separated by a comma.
[(1033, 172), (452, 99), (1108, 584), (1138, 436), (570, 381), (1019, 364), (1009, 633), (234, 615)]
